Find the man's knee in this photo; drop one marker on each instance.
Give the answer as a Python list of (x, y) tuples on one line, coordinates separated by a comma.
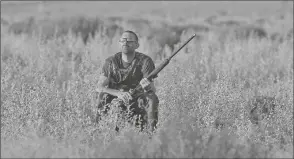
[(152, 98), (152, 110), (104, 100), (152, 105)]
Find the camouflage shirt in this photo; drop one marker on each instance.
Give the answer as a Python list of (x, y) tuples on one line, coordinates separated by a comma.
[(127, 75)]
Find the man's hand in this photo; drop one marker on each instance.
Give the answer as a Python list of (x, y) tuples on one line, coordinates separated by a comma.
[(145, 83), (125, 96)]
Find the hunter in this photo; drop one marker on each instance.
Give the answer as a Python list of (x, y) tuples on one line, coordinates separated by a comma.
[(124, 71)]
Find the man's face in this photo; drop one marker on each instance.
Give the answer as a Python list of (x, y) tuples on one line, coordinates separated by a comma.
[(128, 43)]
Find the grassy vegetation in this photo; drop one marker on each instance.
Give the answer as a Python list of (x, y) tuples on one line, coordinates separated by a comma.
[(48, 102)]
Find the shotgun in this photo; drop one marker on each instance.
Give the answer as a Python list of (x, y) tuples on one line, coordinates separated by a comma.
[(138, 90)]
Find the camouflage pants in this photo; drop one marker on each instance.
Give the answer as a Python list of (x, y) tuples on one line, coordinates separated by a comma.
[(144, 110)]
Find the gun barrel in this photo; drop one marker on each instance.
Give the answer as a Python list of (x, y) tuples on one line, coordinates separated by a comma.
[(182, 46), (154, 73)]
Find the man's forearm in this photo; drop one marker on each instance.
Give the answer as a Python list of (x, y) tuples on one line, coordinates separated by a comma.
[(107, 90)]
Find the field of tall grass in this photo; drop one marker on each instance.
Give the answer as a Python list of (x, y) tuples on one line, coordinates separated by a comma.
[(49, 103)]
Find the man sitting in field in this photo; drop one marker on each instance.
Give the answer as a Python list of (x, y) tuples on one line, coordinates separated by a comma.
[(124, 71)]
